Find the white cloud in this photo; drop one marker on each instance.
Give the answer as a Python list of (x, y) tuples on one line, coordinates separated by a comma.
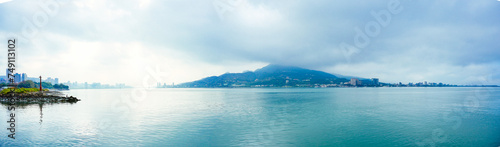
[(257, 16)]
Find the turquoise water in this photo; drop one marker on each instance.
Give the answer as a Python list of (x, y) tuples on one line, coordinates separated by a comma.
[(263, 117)]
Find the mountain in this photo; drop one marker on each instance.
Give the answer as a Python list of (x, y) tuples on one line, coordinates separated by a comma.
[(349, 77), (269, 76)]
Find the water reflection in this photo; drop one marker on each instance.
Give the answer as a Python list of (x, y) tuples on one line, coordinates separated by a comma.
[(18, 106), (41, 113)]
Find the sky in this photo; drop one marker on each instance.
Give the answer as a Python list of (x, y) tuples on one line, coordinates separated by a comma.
[(142, 42)]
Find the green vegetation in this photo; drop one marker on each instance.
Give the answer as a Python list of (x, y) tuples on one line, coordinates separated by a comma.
[(27, 84), (46, 85), (31, 84), (21, 90), (269, 76), (60, 86)]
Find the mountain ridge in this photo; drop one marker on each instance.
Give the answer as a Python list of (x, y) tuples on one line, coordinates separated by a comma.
[(272, 75)]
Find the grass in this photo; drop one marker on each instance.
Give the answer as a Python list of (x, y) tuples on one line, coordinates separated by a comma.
[(21, 90)]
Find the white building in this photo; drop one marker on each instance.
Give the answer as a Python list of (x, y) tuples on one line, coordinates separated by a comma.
[(355, 82)]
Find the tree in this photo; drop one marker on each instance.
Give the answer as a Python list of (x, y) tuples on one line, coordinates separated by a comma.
[(45, 85), (26, 84), (61, 86)]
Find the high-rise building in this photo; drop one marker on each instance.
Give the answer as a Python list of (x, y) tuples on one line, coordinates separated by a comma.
[(7, 72), (17, 78), (24, 77), (7, 75), (49, 80), (56, 81)]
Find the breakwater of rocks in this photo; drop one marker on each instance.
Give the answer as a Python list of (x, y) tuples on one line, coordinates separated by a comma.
[(37, 97)]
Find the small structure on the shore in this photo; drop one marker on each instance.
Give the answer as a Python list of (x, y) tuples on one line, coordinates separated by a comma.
[(40, 83)]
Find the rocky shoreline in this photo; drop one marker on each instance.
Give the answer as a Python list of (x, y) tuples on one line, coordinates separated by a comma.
[(37, 97)]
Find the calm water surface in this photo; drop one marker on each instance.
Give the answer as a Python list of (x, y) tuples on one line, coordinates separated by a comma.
[(263, 117)]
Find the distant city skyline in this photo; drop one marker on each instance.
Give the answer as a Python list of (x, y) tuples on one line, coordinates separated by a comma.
[(73, 85)]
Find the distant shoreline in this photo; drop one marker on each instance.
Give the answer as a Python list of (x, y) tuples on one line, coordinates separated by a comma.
[(279, 76), (493, 86)]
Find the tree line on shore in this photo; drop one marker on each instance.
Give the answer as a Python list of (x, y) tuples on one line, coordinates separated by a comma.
[(45, 85)]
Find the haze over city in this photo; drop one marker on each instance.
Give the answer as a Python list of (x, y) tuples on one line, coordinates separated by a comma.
[(117, 41)]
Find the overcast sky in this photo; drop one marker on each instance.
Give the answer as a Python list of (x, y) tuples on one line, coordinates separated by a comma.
[(148, 41)]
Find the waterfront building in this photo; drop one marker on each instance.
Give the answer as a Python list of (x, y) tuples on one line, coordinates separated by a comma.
[(355, 82)]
